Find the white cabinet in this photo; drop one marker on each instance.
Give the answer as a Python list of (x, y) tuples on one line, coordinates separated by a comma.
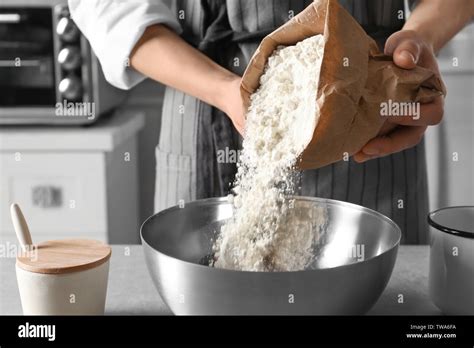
[(61, 193), (73, 182)]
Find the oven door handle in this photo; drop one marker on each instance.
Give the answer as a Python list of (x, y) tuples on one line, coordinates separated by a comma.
[(22, 63), (10, 18)]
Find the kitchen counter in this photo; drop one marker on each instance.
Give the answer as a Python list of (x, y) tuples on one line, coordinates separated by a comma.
[(131, 291)]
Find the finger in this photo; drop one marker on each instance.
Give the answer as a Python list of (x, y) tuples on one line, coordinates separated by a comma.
[(421, 114), (433, 112), (400, 139), (405, 49), (361, 157), (240, 128), (407, 54)]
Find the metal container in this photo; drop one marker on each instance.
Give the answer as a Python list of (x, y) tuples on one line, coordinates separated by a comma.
[(354, 263), (451, 276)]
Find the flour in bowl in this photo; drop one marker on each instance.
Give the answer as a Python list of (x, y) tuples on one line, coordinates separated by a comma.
[(266, 232)]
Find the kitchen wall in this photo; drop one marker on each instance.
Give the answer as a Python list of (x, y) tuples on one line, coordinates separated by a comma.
[(450, 145)]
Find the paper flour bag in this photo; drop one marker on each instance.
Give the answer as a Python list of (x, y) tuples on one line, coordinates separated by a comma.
[(355, 79)]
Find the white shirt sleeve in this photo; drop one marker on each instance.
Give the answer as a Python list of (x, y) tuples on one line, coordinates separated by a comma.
[(114, 26)]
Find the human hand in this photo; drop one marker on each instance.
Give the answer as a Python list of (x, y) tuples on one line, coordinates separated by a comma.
[(231, 103), (403, 132)]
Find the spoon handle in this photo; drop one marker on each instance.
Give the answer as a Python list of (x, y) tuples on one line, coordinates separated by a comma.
[(21, 227)]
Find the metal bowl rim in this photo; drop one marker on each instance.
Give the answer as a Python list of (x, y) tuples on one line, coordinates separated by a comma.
[(217, 200)]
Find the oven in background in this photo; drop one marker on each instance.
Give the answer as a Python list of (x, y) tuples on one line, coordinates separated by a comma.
[(48, 73)]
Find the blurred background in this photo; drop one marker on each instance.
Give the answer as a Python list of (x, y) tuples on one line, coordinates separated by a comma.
[(450, 145)]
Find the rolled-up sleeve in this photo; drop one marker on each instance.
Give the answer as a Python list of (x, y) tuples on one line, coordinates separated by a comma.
[(113, 27)]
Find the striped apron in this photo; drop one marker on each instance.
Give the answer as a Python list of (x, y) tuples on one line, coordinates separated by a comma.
[(197, 150)]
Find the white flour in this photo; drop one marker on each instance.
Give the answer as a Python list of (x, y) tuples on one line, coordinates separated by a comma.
[(266, 233)]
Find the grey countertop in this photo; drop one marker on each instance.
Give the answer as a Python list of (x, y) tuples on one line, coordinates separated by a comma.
[(131, 291)]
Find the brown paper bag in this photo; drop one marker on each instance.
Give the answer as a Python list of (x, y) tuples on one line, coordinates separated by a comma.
[(355, 79)]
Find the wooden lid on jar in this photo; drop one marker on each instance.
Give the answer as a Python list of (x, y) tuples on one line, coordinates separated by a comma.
[(64, 256)]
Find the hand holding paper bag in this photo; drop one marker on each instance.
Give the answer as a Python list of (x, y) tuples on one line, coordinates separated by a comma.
[(355, 79)]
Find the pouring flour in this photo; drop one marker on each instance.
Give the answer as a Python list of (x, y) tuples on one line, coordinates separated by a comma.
[(313, 89), (266, 233)]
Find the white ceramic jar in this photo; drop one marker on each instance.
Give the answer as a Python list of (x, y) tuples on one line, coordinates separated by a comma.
[(64, 277), (451, 278)]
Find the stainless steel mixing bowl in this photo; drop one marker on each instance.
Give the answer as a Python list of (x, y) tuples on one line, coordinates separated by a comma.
[(354, 263)]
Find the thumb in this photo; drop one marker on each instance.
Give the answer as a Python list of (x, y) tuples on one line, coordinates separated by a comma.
[(405, 50)]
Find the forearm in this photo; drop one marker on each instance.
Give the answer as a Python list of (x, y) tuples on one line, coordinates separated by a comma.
[(437, 21), (163, 56)]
